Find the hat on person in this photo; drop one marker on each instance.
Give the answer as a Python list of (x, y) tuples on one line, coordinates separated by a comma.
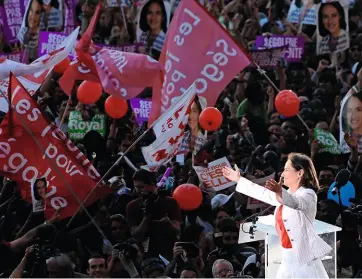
[(220, 200)]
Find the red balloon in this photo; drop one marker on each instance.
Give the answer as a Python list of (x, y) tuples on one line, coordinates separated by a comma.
[(116, 107), (287, 103), (210, 119), (188, 196), (62, 66), (89, 92)]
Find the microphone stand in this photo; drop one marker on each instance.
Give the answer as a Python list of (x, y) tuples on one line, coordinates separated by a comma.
[(255, 218)]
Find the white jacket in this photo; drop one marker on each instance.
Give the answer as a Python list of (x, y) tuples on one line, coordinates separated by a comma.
[(299, 212)]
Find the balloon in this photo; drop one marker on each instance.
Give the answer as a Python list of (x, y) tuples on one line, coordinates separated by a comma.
[(188, 196), (287, 103), (89, 92), (116, 107), (62, 66), (210, 119)]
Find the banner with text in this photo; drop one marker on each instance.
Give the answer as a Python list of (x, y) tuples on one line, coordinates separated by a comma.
[(327, 142), (212, 178), (48, 154), (15, 56), (141, 109), (267, 58), (294, 44), (11, 15), (77, 127), (194, 35), (48, 42)]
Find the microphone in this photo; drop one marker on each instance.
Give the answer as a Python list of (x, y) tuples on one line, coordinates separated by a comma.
[(255, 153), (341, 180)]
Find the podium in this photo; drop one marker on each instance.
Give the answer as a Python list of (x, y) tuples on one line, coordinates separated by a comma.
[(265, 231)]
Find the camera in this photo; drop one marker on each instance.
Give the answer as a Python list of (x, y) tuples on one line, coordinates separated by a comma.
[(127, 250)]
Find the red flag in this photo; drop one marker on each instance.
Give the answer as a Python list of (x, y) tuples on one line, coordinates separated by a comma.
[(196, 49), (23, 159)]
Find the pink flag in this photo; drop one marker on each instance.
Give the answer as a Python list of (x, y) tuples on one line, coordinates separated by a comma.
[(197, 49), (121, 73)]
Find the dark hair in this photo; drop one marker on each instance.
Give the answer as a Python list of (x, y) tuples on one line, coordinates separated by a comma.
[(35, 191), (192, 233), (118, 217), (146, 177), (342, 19), (98, 256), (28, 10), (303, 162), (227, 225), (345, 126), (143, 17)]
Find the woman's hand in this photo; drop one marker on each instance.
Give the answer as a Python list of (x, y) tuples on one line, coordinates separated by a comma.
[(275, 187), (229, 173)]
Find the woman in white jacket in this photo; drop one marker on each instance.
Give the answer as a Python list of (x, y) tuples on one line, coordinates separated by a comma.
[(295, 212)]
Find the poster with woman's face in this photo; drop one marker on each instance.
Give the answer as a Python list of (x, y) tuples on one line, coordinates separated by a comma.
[(350, 120), (46, 15), (38, 194), (29, 30), (332, 27), (195, 136), (153, 21)]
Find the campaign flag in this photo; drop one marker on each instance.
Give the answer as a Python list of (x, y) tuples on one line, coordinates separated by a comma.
[(48, 154), (118, 72), (11, 14), (295, 45), (141, 109), (169, 130), (196, 49), (211, 176), (327, 142), (77, 127)]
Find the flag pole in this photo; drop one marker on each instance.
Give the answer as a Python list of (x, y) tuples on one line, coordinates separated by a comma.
[(116, 163), (278, 90), (53, 165), (65, 111)]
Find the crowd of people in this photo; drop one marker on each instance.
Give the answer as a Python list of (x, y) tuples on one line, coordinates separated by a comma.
[(139, 230)]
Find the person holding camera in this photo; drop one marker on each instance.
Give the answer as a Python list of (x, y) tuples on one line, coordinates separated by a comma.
[(226, 239), (153, 219), (126, 260), (187, 258)]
